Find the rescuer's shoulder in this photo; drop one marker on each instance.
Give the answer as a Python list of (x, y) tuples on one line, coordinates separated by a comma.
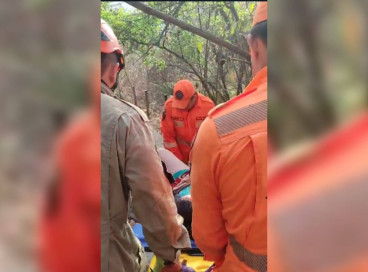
[(113, 106), (243, 102), (243, 115), (136, 109), (218, 107)]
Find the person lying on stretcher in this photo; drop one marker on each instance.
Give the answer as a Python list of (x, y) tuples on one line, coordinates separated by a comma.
[(177, 173)]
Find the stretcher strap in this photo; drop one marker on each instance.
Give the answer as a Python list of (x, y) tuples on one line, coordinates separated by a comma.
[(254, 261)]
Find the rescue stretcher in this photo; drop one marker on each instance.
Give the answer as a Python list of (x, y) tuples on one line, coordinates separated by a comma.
[(193, 257)]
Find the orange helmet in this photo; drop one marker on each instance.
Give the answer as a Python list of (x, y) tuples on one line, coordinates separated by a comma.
[(260, 14), (109, 42)]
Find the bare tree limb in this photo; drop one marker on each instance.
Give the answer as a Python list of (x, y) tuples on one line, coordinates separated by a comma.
[(226, 18), (190, 28), (183, 59), (175, 13), (230, 5), (199, 16), (241, 60)]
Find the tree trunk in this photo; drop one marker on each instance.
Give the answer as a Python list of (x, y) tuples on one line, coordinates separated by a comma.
[(147, 103)]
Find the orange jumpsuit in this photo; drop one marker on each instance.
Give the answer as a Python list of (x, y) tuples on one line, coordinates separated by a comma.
[(318, 210), (70, 226), (179, 127), (229, 182)]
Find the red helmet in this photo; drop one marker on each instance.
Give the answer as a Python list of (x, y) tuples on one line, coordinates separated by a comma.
[(109, 42)]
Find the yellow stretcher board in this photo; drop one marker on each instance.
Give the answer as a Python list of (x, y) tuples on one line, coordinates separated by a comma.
[(195, 262)]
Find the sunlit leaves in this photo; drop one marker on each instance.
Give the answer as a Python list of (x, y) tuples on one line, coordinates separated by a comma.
[(161, 45)]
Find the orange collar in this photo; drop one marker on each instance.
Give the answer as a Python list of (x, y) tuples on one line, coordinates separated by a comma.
[(199, 102), (258, 79)]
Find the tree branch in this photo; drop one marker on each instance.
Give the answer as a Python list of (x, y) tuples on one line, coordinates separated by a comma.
[(241, 60), (230, 5), (190, 28), (226, 18), (175, 13), (183, 59)]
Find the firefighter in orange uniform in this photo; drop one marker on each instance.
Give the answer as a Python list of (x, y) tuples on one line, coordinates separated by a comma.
[(183, 113), (70, 224), (318, 197), (229, 171)]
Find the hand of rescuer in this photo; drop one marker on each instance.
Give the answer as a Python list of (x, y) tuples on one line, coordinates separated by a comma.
[(185, 268)]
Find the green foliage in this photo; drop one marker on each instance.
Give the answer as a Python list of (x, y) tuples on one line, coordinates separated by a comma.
[(251, 7), (161, 44)]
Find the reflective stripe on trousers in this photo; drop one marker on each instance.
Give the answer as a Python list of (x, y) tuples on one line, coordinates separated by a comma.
[(183, 142), (254, 261), (170, 145)]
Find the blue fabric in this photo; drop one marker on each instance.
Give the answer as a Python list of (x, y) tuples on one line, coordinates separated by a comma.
[(138, 231), (185, 191), (193, 244), (178, 174)]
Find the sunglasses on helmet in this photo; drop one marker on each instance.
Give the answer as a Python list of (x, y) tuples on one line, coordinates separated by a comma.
[(121, 61)]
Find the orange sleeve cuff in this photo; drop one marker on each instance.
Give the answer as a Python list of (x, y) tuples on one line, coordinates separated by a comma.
[(218, 259)]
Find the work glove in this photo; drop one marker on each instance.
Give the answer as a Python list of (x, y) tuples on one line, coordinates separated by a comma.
[(162, 266), (186, 268)]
